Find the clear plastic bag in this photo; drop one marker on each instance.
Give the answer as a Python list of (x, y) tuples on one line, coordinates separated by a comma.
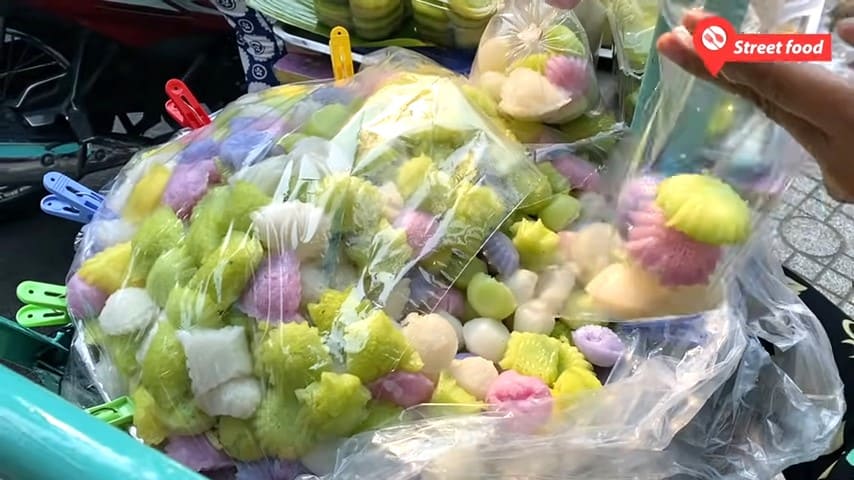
[(780, 407), (628, 90), (325, 278), (632, 26), (752, 412), (843, 52), (704, 174), (584, 163), (594, 18), (596, 123), (452, 23), (246, 280), (536, 63), (660, 374), (784, 404)]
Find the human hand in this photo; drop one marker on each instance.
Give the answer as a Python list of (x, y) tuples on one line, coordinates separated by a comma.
[(812, 103)]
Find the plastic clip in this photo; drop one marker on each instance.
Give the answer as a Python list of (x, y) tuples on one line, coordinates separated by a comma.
[(69, 199), (341, 53), (53, 205), (44, 305), (183, 106), (118, 413)]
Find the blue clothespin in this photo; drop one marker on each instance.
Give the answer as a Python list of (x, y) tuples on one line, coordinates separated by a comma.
[(69, 199)]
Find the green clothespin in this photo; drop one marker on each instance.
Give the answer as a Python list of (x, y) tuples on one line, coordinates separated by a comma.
[(44, 305), (118, 413)]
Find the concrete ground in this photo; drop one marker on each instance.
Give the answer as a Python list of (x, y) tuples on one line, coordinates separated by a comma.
[(815, 237)]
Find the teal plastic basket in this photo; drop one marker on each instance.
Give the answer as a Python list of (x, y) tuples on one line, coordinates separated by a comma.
[(47, 438), (38, 357)]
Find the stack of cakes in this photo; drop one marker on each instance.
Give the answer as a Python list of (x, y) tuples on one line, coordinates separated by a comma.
[(453, 23), (369, 19)]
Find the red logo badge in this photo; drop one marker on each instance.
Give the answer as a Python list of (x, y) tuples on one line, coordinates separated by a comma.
[(717, 43)]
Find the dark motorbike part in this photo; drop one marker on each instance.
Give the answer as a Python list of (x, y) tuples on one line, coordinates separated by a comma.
[(92, 112)]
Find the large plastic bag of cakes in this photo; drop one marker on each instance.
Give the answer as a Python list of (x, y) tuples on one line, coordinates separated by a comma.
[(535, 61), (369, 279)]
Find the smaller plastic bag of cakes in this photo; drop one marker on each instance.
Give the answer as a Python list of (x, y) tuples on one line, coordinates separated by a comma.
[(534, 60), (709, 169), (453, 23), (369, 19)]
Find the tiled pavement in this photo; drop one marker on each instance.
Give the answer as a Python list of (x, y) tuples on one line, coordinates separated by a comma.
[(815, 237)]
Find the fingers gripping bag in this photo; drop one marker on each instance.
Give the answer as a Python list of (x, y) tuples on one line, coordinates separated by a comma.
[(535, 61)]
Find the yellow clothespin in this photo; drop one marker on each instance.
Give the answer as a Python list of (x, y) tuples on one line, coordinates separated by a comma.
[(342, 56)]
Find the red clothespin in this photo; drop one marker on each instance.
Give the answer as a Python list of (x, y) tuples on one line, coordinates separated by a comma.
[(183, 106)]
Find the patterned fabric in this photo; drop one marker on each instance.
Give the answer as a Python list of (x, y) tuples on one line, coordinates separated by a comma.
[(840, 330), (259, 47)]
